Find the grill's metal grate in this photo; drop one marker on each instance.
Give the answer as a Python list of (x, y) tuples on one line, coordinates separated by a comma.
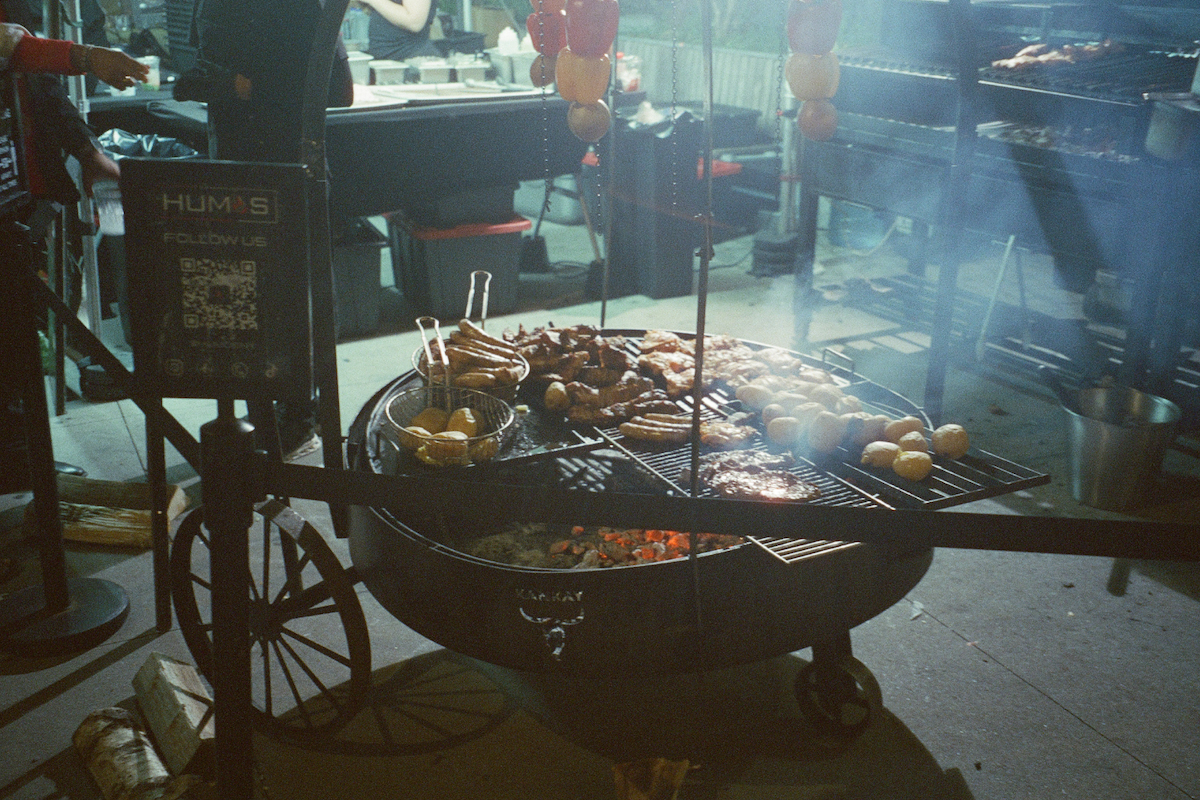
[(792, 551), (649, 468), (1123, 77), (599, 472)]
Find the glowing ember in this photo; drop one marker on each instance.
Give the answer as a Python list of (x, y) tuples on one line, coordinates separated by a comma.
[(556, 547)]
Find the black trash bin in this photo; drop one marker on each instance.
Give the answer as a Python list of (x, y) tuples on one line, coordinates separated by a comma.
[(655, 200), (357, 289)]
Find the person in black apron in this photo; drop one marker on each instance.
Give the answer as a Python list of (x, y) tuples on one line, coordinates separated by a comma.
[(256, 54), (399, 30)]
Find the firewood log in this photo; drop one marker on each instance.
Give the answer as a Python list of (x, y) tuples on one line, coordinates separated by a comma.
[(122, 760)]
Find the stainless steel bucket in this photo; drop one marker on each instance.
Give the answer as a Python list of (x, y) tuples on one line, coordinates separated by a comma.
[(1116, 440)]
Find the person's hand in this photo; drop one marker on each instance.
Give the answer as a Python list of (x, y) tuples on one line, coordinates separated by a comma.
[(97, 166), (113, 67)]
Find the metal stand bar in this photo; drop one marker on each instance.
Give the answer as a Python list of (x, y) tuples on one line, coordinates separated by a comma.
[(179, 437), (160, 536), (806, 250), (60, 615), (226, 445), (987, 315), (312, 151), (953, 197)]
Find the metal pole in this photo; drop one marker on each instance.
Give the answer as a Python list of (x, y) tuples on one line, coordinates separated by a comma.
[(706, 250), (312, 154), (61, 614), (954, 194), (160, 526), (77, 91), (226, 445)]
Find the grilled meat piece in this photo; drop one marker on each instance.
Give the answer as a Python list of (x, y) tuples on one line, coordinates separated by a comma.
[(766, 485), (753, 475), (599, 376), (679, 383), (630, 386), (653, 401), (611, 353), (658, 362), (722, 435), (667, 342), (746, 460)]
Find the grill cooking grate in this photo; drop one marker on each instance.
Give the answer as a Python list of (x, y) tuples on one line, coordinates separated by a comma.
[(1120, 78), (550, 451), (638, 472)]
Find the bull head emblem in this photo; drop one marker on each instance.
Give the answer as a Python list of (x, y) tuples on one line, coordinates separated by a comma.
[(554, 629)]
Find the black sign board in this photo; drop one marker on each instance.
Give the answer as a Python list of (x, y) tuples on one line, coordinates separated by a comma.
[(217, 259), (12, 188)]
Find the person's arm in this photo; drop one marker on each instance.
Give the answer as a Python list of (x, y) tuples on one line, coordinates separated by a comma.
[(35, 54), (409, 14), (111, 66)]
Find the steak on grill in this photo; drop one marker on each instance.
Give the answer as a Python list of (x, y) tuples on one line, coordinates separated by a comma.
[(753, 475)]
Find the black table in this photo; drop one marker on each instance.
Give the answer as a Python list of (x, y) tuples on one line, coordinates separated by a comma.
[(382, 158)]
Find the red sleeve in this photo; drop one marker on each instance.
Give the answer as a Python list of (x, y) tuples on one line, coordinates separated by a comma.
[(34, 54)]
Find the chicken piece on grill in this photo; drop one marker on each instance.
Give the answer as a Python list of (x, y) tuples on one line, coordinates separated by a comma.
[(630, 386), (780, 361), (654, 401), (562, 367), (666, 341), (679, 383), (721, 435), (599, 376), (578, 337), (746, 460), (722, 341), (674, 369), (658, 362)]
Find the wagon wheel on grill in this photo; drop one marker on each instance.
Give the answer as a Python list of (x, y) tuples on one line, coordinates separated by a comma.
[(310, 650), (842, 697)]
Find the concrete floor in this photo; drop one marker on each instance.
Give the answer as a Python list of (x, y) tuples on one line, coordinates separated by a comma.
[(1003, 675)]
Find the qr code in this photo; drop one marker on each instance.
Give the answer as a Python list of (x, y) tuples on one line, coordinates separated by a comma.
[(219, 294)]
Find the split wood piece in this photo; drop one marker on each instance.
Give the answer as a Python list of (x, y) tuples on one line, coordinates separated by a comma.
[(117, 494), (111, 513), (650, 779), (122, 760), (178, 710)]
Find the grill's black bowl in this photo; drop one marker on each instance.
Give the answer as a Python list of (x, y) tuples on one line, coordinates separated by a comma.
[(625, 620), (629, 620)]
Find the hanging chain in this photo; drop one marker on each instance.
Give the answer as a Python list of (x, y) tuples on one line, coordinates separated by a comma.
[(675, 101), (547, 177), (784, 47)]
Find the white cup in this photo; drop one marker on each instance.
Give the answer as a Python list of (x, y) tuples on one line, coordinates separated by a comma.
[(107, 197), (154, 78)]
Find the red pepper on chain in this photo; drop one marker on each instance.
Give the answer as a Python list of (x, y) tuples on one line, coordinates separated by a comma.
[(584, 68), (812, 70)]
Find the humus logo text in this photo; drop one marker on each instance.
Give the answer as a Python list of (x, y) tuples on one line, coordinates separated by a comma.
[(213, 203)]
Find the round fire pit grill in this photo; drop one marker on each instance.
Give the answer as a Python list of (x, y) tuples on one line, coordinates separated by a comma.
[(751, 602), (735, 606)]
